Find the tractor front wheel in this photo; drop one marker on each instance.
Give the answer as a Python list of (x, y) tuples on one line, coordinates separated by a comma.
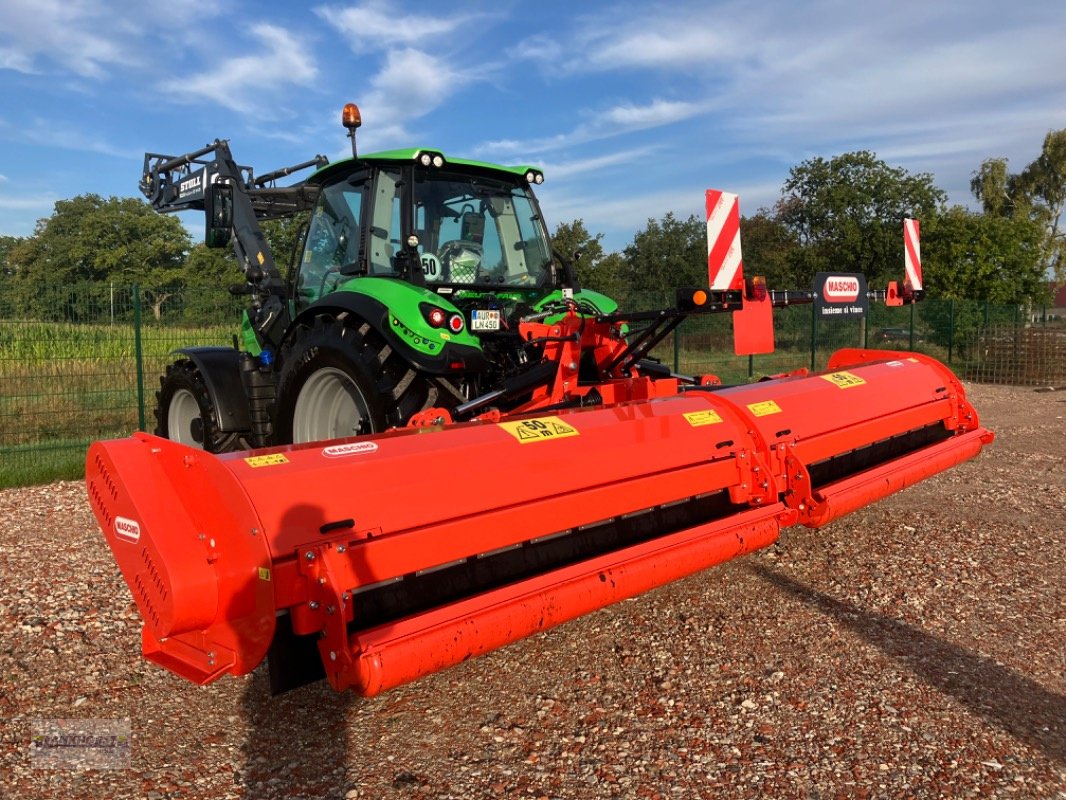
[(185, 412), (340, 378), (327, 388)]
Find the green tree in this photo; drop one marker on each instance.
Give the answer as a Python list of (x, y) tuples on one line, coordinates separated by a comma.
[(994, 187), (120, 240), (847, 213), (595, 269), (283, 235), (770, 249), (1038, 193), (7, 244), (667, 254), (208, 275), (8, 282), (995, 259), (1043, 186)]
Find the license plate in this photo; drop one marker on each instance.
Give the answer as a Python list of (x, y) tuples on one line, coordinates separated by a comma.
[(485, 320)]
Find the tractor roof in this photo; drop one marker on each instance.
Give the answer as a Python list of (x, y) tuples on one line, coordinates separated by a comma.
[(406, 156)]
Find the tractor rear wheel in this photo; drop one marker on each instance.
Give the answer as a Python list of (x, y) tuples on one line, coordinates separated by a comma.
[(185, 413), (340, 378)]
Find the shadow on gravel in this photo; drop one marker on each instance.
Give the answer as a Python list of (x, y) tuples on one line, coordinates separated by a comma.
[(298, 744), (1014, 703)]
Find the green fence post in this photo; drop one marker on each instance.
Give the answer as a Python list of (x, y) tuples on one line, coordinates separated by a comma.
[(138, 355), (814, 333), (951, 329), (677, 348)]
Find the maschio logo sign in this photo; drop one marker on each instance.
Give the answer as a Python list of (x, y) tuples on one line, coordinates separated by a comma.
[(841, 288), (128, 529), (353, 449), (840, 294)]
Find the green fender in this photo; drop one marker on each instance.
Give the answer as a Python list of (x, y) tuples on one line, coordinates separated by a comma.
[(394, 309)]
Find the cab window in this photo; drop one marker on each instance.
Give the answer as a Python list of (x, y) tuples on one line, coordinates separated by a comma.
[(332, 240)]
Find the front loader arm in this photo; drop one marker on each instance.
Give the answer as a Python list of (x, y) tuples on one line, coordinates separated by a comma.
[(234, 202)]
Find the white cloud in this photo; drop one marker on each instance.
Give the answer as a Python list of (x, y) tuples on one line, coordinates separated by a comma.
[(656, 113), (41, 202), (615, 121), (83, 38), (935, 88), (672, 46), (567, 169), (410, 85), (17, 60), (412, 80), (646, 36), (242, 83), (378, 25)]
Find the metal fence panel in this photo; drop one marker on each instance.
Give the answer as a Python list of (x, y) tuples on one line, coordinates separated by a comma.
[(89, 371)]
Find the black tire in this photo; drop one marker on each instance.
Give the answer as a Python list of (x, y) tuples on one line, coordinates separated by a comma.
[(185, 412), (340, 378)]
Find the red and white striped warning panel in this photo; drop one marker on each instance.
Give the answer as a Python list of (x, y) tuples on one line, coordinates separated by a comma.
[(912, 254), (725, 267)]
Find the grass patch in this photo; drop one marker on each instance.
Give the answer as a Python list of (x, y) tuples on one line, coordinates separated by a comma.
[(37, 463), (63, 385)]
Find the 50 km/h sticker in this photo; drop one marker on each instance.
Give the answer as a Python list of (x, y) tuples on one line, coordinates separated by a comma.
[(541, 429)]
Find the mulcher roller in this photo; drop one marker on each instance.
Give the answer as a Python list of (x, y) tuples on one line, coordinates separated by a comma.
[(376, 560)]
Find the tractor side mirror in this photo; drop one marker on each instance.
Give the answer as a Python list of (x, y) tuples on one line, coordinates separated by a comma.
[(218, 209)]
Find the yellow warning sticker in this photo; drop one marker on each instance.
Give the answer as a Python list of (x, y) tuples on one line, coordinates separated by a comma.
[(765, 408), (266, 461), (541, 429), (698, 418), (264, 574), (845, 380)]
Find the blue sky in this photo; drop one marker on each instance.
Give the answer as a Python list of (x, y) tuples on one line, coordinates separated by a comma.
[(632, 109)]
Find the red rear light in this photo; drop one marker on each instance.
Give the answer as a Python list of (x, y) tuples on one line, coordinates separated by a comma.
[(456, 323), (436, 317)]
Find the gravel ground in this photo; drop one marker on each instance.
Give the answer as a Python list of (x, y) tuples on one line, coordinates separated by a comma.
[(913, 649)]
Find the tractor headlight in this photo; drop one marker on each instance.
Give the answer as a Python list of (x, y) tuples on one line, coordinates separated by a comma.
[(428, 158)]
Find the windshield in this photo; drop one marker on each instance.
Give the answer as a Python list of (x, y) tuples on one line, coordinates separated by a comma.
[(479, 230)]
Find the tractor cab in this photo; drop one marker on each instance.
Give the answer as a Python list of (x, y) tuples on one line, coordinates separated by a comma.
[(457, 227)]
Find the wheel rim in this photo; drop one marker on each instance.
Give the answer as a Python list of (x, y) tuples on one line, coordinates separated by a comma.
[(329, 406), (184, 422)]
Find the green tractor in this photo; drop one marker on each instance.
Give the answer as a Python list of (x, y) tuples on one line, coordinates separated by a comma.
[(423, 284)]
